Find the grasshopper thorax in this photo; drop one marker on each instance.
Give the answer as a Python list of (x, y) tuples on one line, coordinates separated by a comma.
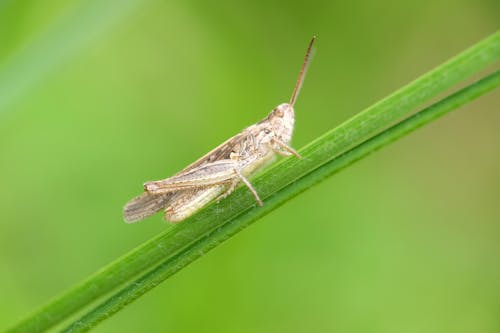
[(282, 119)]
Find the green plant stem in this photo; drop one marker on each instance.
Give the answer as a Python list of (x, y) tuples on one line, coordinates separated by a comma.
[(174, 242), (169, 267)]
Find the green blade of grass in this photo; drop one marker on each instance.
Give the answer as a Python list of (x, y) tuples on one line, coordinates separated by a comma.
[(172, 265), (172, 243), (214, 238)]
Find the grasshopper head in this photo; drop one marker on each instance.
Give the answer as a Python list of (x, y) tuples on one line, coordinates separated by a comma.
[(282, 119)]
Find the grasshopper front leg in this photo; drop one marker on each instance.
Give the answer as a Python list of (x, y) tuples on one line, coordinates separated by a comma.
[(288, 151)]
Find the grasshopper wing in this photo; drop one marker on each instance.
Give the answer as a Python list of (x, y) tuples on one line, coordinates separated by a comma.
[(145, 205), (221, 152)]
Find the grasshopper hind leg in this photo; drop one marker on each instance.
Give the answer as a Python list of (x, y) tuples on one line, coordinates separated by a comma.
[(229, 190), (187, 203)]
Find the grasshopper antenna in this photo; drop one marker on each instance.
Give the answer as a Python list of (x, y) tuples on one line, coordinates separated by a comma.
[(303, 72)]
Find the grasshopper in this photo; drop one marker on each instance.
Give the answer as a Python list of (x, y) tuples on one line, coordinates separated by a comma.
[(218, 173)]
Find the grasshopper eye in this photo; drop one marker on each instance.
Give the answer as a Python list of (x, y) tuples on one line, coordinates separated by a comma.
[(267, 131), (279, 112)]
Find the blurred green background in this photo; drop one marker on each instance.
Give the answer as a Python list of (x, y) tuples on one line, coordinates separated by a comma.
[(97, 97)]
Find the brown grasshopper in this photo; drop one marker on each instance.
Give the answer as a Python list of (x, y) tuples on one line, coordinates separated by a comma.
[(218, 173)]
